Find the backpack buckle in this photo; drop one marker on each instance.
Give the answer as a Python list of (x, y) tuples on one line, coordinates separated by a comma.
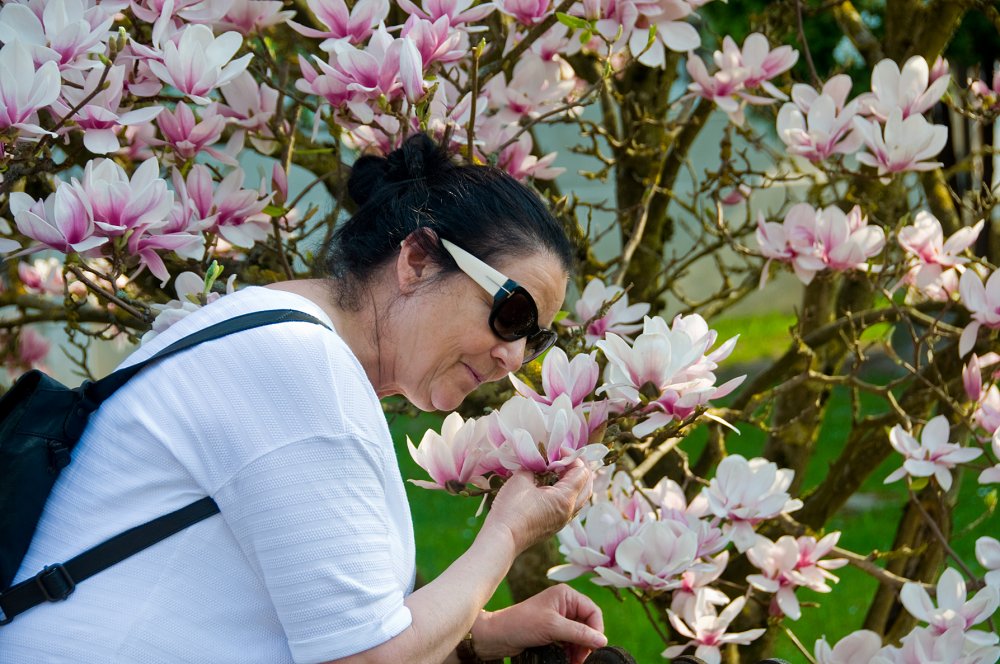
[(55, 582)]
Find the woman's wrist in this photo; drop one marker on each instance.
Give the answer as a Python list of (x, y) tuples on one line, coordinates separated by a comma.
[(487, 645)]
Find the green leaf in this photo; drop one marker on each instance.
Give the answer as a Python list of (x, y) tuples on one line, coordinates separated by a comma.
[(574, 22), (275, 211), (919, 483), (560, 315)]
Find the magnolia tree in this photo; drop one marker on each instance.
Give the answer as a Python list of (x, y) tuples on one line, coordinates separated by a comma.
[(124, 127)]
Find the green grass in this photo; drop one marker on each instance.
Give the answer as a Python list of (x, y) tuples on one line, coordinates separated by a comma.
[(445, 525)]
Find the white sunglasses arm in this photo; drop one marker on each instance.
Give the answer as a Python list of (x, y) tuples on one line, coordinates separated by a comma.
[(489, 279)]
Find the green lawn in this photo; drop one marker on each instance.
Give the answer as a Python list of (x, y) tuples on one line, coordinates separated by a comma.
[(445, 524)]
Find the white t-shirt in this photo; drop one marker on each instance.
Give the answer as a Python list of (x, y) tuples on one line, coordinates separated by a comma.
[(312, 554)]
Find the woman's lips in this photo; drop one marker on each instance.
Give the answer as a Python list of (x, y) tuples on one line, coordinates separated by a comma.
[(475, 376)]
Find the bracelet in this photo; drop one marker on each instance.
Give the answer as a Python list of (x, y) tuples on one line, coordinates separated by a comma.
[(466, 651)]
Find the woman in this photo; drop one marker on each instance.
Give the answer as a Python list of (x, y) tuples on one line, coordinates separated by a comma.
[(312, 557)]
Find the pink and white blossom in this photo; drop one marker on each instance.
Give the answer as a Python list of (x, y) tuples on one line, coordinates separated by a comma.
[(452, 457), (193, 292), (620, 318), (815, 240), (992, 475), (353, 25), (188, 136), (527, 12), (541, 437), (761, 62), (904, 144), (43, 276), (953, 609), (985, 96), (590, 541), (910, 89), (458, 11), (818, 125), (249, 16), (988, 555), (120, 203), (653, 558), (983, 302), (790, 563), (666, 373), (25, 89), (709, 631), (200, 62), (933, 455), (695, 586), (748, 492), (858, 647), (925, 646), (436, 41), (932, 259), (65, 32), (576, 378), (64, 221)]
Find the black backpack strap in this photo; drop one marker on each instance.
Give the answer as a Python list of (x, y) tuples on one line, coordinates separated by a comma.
[(96, 392), (57, 582)]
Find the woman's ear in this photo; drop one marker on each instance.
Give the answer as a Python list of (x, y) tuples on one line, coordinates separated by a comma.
[(413, 265)]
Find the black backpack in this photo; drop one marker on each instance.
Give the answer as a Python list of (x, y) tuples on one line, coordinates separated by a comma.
[(40, 422)]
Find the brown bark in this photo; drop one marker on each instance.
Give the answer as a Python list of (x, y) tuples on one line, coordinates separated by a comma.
[(527, 575)]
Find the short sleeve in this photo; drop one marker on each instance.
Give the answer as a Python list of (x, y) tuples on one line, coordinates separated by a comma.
[(312, 517)]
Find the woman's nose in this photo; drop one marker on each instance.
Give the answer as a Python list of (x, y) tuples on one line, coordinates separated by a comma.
[(509, 354)]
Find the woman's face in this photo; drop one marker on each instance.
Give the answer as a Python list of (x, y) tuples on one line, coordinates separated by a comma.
[(447, 346)]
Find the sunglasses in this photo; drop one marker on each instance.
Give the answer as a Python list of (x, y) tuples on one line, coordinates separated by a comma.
[(514, 314)]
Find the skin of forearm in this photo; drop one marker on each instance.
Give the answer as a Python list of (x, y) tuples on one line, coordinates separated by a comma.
[(445, 609)]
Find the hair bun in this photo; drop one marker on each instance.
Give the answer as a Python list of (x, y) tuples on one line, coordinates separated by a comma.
[(419, 157), (367, 176)]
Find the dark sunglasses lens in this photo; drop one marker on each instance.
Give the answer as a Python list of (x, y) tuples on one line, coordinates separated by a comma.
[(515, 316), (538, 343)]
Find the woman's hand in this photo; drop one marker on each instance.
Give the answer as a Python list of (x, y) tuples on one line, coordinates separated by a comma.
[(532, 513), (556, 615)]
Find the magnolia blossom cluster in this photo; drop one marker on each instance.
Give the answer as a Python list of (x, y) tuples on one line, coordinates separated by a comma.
[(814, 240), (933, 262), (656, 541), (888, 121), (542, 433), (603, 309), (948, 637), (742, 73)]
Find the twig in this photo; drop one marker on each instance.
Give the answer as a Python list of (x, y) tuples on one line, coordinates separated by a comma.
[(940, 535), (794, 639), (110, 297), (805, 46)]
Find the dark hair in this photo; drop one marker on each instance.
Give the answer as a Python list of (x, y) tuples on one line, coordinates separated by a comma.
[(480, 208)]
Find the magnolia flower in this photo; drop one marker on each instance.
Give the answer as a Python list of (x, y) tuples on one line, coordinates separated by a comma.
[(100, 118), (762, 63), (24, 89), (983, 302), (747, 492), (560, 375), (32, 349), (666, 371), (708, 631), (904, 145), (818, 240), (247, 16), (354, 26), (722, 87), (121, 204), (193, 292), (925, 646), (657, 26), (236, 212), (654, 557), (43, 276), (187, 136), (910, 90), (60, 31), (534, 88), (528, 12), (64, 221), (695, 586), (933, 455), (992, 475), (985, 97), (541, 438), (816, 125), (251, 106), (932, 256), (457, 11), (436, 41), (790, 563), (517, 158), (988, 555), (200, 62), (952, 610), (590, 541), (620, 318), (856, 648), (452, 457)]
